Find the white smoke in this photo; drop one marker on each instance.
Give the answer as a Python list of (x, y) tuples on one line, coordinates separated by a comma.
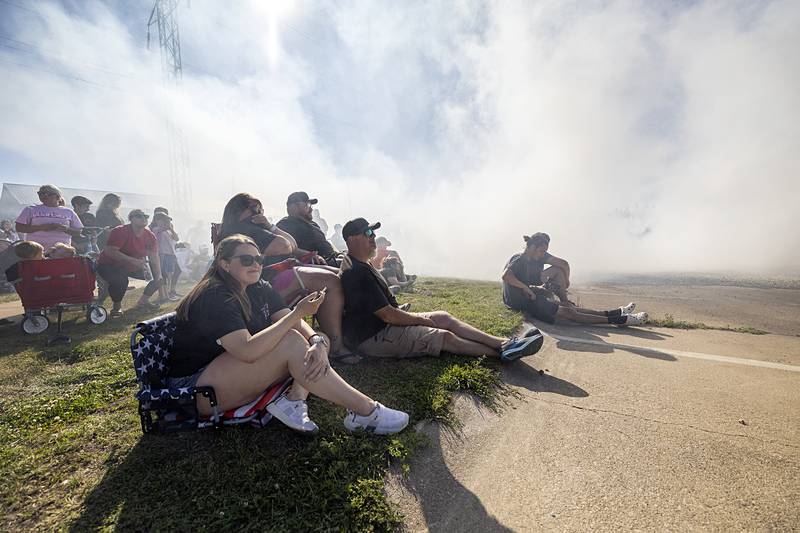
[(639, 137)]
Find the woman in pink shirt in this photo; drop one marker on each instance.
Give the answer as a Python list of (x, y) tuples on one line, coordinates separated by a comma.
[(49, 223)]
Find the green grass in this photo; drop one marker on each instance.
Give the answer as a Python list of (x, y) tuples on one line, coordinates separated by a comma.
[(72, 455), (670, 322), (6, 297)]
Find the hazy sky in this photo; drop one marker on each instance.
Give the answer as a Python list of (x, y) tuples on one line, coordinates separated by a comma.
[(641, 136)]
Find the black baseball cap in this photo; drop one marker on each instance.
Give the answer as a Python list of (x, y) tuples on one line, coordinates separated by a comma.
[(137, 213), (80, 200), (300, 196), (358, 226), (160, 210)]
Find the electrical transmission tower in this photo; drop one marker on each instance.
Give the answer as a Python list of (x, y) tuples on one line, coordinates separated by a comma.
[(165, 17)]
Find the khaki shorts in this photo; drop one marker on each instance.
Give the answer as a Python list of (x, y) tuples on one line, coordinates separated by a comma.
[(404, 341)]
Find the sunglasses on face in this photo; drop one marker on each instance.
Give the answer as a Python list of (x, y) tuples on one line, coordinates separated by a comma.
[(369, 232), (248, 260)]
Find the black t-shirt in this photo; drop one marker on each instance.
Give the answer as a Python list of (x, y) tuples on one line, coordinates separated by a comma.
[(88, 220), (309, 236), (261, 235), (106, 218), (365, 291), (212, 316), (12, 273), (528, 272)]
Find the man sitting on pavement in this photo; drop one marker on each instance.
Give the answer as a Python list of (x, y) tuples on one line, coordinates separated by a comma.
[(307, 233), (530, 288), (374, 325)]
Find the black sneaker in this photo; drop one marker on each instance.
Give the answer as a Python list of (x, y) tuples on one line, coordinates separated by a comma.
[(516, 347)]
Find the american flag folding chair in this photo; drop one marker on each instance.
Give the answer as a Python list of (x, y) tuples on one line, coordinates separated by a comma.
[(163, 409)]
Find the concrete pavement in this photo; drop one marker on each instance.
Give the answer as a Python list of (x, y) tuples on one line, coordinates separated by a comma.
[(625, 430)]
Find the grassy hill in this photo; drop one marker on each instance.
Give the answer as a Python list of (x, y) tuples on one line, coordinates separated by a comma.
[(72, 455)]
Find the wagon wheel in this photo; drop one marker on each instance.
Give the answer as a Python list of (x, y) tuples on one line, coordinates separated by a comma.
[(35, 324), (96, 314)]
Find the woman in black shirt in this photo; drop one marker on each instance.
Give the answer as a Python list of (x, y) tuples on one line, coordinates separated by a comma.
[(244, 215), (107, 216), (234, 333)]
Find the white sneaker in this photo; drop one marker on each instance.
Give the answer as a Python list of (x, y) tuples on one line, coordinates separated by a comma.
[(381, 421), (628, 309), (636, 319), (293, 413)]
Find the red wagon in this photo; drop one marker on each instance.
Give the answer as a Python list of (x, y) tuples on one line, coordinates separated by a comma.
[(57, 284)]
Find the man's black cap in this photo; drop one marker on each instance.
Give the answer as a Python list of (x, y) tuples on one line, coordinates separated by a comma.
[(300, 197), (80, 200), (137, 212), (357, 226)]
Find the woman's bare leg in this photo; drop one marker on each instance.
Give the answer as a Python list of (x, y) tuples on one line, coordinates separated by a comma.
[(237, 383)]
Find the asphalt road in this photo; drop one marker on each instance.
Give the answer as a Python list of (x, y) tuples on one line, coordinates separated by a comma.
[(645, 428)]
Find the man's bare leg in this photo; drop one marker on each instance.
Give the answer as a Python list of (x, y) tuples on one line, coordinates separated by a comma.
[(457, 345), (558, 283), (463, 330), (572, 314), (584, 311)]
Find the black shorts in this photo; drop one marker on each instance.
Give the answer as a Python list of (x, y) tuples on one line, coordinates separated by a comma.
[(540, 308)]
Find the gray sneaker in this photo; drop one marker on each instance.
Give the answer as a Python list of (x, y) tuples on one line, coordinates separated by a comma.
[(293, 413), (517, 347)]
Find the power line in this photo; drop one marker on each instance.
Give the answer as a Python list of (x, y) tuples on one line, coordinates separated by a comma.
[(59, 74), (38, 50)]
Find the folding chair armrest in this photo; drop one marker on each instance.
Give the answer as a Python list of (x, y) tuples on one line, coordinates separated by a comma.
[(208, 392)]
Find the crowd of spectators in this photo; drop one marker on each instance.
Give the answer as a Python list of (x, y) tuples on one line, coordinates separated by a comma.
[(122, 250), (241, 327)]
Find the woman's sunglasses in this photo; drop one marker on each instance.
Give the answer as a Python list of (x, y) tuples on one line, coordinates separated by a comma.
[(248, 260)]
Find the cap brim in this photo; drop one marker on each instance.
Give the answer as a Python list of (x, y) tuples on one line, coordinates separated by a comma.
[(375, 226), (312, 201)]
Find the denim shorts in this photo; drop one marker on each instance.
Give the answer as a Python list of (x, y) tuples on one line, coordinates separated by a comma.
[(185, 381), (169, 263)]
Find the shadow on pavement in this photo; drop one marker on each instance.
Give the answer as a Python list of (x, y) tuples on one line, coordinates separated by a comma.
[(523, 375), (593, 339), (446, 504)]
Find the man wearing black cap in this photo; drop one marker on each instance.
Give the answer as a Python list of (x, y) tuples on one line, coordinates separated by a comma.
[(81, 205), (374, 325), (300, 224)]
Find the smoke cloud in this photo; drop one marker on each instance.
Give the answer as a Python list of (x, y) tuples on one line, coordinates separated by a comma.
[(640, 136)]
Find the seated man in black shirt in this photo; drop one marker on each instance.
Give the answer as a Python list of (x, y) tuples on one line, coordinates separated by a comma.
[(307, 233), (529, 287), (374, 325)]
